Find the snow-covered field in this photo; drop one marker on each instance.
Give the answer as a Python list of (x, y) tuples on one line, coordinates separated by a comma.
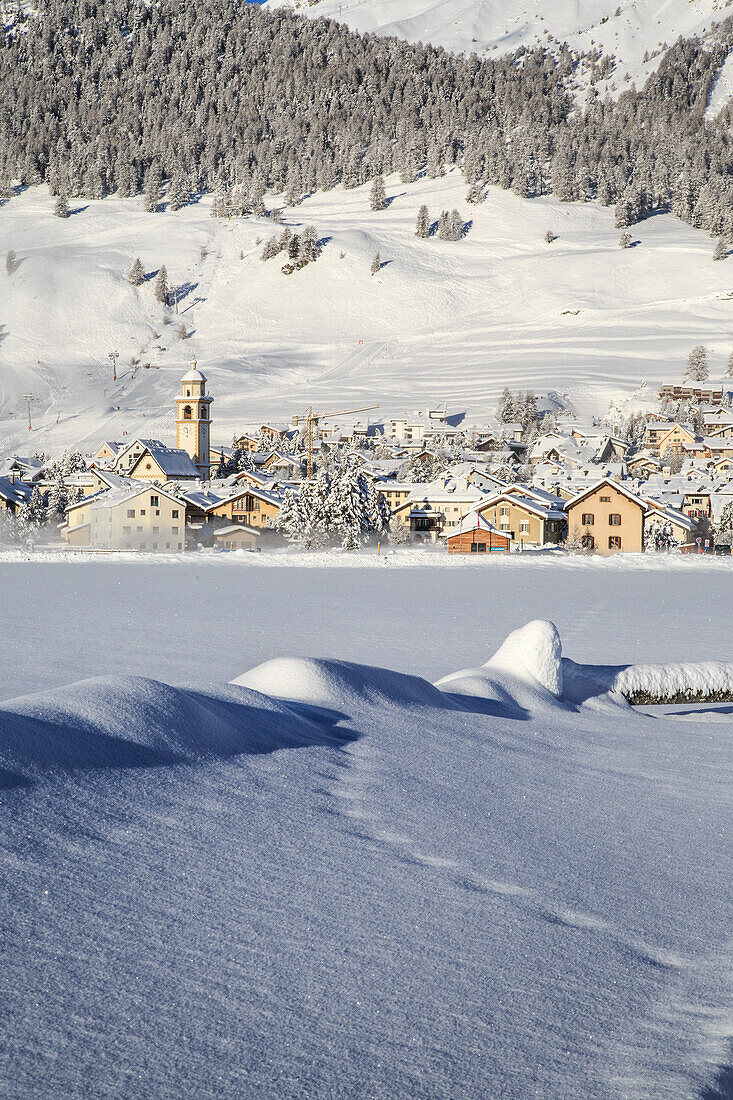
[(376, 887), (444, 321)]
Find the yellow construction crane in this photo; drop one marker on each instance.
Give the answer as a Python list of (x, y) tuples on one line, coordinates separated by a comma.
[(311, 421)]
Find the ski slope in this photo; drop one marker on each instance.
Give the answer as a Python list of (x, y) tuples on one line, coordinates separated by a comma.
[(624, 32), (331, 878), (443, 321)]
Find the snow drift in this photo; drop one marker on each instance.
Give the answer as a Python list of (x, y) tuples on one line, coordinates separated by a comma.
[(130, 721), (339, 685)]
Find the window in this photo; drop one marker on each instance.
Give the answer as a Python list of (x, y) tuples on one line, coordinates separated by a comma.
[(504, 512), (157, 511), (588, 519), (148, 466), (130, 513), (525, 527), (174, 513), (588, 542), (614, 519), (156, 530), (138, 529), (481, 547), (167, 546), (187, 411), (605, 500), (174, 530), (155, 546), (478, 547), (614, 542), (154, 502), (142, 511), (127, 530)]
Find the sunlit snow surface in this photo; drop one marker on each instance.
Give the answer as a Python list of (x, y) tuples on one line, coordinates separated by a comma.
[(376, 887), (444, 321)]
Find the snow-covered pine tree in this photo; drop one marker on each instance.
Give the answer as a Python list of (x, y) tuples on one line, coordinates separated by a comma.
[(444, 226), (624, 240), (376, 265), (549, 237), (721, 249), (32, 515), (724, 526), (506, 408), (161, 289), (289, 520), (271, 249), (153, 189), (308, 247), (136, 274), (422, 228), (61, 206), (294, 246), (57, 500), (728, 373), (378, 194), (11, 261), (697, 364), (456, 225), (178, 193)]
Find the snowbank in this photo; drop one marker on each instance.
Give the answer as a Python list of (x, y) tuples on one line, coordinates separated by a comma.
[(686, 682), (130, 721), (524, 674), (339, 685)]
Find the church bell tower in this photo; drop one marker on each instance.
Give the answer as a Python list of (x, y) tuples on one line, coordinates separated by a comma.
[(193, 419)]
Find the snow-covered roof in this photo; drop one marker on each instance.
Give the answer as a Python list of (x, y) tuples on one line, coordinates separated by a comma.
[(612, 485), (529, 504), (475, 521), (14, 490), (173, 461), (112, 498), (194, 374)]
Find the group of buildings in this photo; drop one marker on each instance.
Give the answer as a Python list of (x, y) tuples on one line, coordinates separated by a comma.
[(476, 488)]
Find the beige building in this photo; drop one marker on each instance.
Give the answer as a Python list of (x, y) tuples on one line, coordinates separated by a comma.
[(141, 517), (529, 522), (609, 517)]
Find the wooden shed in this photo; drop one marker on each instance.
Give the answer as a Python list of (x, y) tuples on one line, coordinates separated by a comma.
[(475, 535)]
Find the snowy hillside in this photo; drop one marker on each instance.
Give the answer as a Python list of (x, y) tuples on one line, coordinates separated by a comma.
[(325, 878), (624, 32), (448, 321)]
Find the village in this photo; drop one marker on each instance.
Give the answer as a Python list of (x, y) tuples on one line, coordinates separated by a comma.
[(522, 480)]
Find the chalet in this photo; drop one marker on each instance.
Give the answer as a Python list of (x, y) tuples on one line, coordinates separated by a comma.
[(28, 469), (696, 502), (475, 535), (677, 526), (609, 517), (106, 454), (237, 536), (13, 492), (433, 508), (643, 464), (528, 520), (707, 392), (247, 505), (677, 439), (156, 462), (137, 517)]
